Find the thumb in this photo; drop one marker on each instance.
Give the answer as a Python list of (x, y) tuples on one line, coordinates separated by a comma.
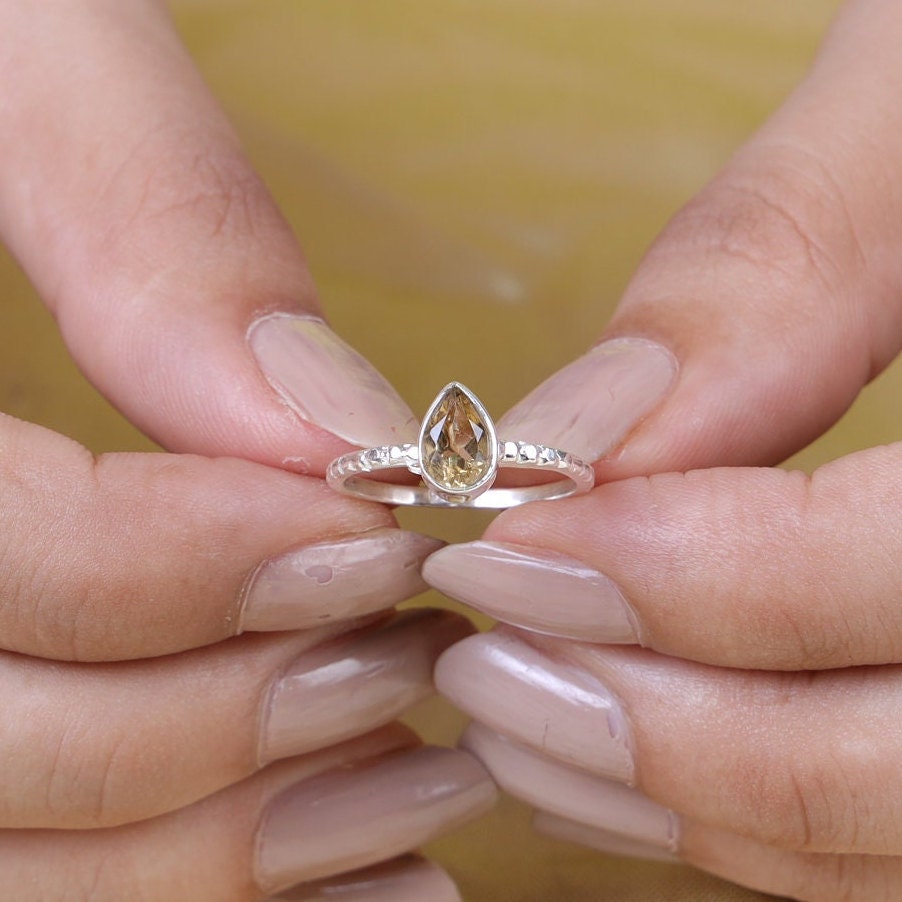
[(179, 288), (770, 300)]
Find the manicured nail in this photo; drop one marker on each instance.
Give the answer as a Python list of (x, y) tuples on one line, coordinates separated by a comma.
[(535, 589), (339, 580), (395, 737), (592, 404), (601, 840), (326, 382), (502, 681), (406, 879), (357, 683), (353, 817), (570, 792)]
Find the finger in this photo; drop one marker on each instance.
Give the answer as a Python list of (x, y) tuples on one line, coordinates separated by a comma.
[(85, 745), (805, 762), (796, 875), (577, 807), (158, 247), (301, 820), (740, 567), (776, 288), (407, 879), (625, 814), (809, 877), (139, 555)]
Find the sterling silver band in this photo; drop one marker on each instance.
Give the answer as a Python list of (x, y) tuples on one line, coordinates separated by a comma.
[(350, 473), (457, 456)]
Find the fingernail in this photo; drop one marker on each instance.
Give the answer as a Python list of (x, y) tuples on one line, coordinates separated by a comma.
[(572, 793), (590, 406), (604, 841), (357, 683), (406, 879), (326, 382), (533, 588), (395, 737), (338, 580), (353, 817), (502, 681)]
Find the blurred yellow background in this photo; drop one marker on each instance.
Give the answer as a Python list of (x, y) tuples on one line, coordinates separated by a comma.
[(504, 161)]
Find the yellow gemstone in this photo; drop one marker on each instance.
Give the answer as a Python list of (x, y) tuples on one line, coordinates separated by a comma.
[(455, 452)]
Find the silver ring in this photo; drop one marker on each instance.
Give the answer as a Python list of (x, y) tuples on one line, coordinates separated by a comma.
[(457, 457)]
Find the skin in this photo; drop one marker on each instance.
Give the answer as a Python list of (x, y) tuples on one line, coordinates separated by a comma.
[(759, 594), (777, 291), (155, 245)]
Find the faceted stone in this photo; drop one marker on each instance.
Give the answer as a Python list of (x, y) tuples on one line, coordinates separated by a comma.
[(455, 452)]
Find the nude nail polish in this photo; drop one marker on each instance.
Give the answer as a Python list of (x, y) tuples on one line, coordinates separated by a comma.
[(357, 683), (548, 704), (353, 817), (591, 405), (571, 793), (394, 737), (605, 841), (338, 580), (326, 382), (406, 879), (535, 589)]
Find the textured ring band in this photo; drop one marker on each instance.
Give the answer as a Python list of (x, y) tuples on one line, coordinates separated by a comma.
[(458, 456)]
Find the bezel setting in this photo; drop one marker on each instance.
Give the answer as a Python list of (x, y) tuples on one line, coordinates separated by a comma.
[(444, 490), (457, 457)]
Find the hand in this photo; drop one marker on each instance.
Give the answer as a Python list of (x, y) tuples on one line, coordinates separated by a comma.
[(149, 749), (759, 723)]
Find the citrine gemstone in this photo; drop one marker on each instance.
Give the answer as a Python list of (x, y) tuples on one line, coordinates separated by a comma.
[(455, 450)]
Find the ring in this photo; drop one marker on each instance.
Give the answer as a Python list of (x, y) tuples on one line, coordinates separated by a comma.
[(457, 456)]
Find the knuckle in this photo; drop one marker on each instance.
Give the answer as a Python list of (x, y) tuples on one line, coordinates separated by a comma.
[(110, 873), (223, 197), (802, 633), (764, 224), (93, 777), (101, 872), (44, 576), (786, 616), (116, 771), (178, 182), (802, 637), (787, 221), (846, 878), (807, 804)]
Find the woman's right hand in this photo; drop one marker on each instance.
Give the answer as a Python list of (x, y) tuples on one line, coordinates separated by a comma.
[(758, 723)]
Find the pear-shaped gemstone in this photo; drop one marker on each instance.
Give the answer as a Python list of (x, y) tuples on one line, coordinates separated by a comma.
[(455, 448)]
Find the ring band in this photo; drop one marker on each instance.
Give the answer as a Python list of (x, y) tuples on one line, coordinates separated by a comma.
[(458, 456)]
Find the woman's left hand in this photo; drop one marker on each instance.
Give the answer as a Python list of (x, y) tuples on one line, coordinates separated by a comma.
[(150, 751)]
